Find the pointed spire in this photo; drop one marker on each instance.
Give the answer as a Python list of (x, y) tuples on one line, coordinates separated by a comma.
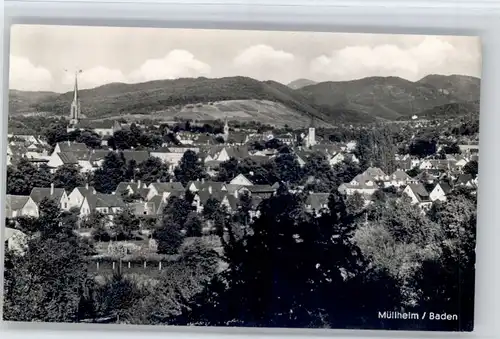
[(75, 91)]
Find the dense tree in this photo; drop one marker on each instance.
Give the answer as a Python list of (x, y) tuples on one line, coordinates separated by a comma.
[(152, 170), (87, 137), (451, 288), (228, 170), (49, 281), (377, 148), (190, 168), (245, 206), (471, 168), (169, 236), (110, 174), (178, 209), (193, 225), (124, 224), (397, 238), (423, 147), (55, 133), (283, 275), (21, 179), (68, 177), (319, 174), (451, 149), (287, 168), (210, 208)]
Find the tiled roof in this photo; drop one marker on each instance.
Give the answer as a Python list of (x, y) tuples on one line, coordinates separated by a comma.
[(96, 155), (374, 172), (464, 179), (167, 186), (400, 175), (105, 200), (260, 188), (317, 200), (39, 193), (137, 156), (133, 185), (67, 146), (205, 195), (68, 158), (85, 191), (16, 202), (446, 188), (420, 192), (203, 186)]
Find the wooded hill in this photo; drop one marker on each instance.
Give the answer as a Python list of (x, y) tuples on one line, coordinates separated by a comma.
[(357, 101)]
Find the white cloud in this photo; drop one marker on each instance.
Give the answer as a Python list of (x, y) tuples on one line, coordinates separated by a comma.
[(94, 77), (263, 62), (261, 55), (431, 55), (176, 64), (25, 76)]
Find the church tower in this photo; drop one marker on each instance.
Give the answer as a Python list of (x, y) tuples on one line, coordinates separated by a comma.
[(311, 135), (226, 130), (75, 105)]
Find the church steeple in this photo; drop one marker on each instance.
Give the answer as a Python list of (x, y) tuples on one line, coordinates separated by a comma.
[(310, 139), (75, 105), (226, 129)]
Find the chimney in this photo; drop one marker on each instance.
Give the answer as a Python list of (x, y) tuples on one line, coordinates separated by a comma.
[(210, 189), (131, 180), (87, 185), (158, 180), (52, 189), (69, 143), (171, 180), (138, 184), (202, 180)]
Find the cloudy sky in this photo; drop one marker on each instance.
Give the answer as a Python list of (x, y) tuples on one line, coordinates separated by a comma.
[(39, 55)]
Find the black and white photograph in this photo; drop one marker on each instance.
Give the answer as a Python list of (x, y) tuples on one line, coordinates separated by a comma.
[(237, 178)]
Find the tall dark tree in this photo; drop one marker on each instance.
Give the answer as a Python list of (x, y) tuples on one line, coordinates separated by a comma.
[(190, 168), (319, 173), (282, 275), (377, 148), (210, 208), (124, 224), (110, 174), (21, 179), (152, 170), (55, 133), (288, 168), (90, 139), (423, 147), (68, 177), (193, 225), (169, 236), (49, 281), (228, 170), (472, 168)]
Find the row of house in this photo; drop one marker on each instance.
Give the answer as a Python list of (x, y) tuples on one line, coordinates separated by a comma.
[(424, 189), (148, 199)]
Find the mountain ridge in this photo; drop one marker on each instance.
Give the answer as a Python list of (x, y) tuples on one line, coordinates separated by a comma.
[(361, 100)]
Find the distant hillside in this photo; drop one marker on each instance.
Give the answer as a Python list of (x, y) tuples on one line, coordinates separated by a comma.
[(389, 97), (451, 110), (23, 101), (299, 83), (170, 95), (466, 88), (357, 101)]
